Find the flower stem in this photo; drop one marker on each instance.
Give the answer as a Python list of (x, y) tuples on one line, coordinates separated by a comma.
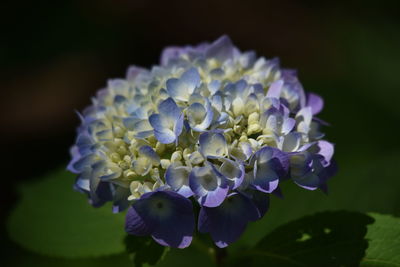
[(220, 256)]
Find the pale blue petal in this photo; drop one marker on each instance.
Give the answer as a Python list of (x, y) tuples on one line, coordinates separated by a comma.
[(165, 136), (221, 49), (181, 89), (149, 152), (158, 122), (287, 125), (291, 142), (169, 109), (178, 126), (209, 185), (233, 171), (178, 178), (214, 86), (191, 78), (129, 122), (200, 117), (83, 162), (196, 114), (213, 144)]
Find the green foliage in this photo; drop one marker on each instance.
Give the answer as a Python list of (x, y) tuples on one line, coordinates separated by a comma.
[(52, 219), (384, 242), (55, 226), (144, 250), (197, 255), (56, 222), (357, 186), (23, 258), (338, 238)]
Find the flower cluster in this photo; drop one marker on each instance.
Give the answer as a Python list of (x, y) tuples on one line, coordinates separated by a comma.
[(211, 125)]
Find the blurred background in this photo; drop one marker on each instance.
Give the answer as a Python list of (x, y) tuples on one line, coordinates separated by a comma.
[(54, 55)]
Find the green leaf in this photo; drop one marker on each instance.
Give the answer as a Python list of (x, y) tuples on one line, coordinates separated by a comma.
[(338, 238), (120, 260), (350, 189), (18, 257), (198, 254), (145, 250), (53, 219), (384, 242)]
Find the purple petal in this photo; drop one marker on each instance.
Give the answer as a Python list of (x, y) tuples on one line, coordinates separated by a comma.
[(261, 200), (135, 225), (270, 165), (300, 164), (315, 102), (167, 216), (228, 221), (325, 149), (100, 192), (309, 182), (209, 185), (120, 200), (214, 198), (275, 89)]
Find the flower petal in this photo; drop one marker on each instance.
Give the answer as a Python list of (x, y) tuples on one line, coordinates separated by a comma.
[(158, 122), (180, 89), (165, 136), (169, 110), (178, 178), (149, 153), (209, 185), (233, 171), (270, 165), (221, 49), (291, 142), (213, 145), (261, 200), (275, 89), (325, 149), (196, 114), (166, 215), (200, 116), (315, 102), (227, 222)]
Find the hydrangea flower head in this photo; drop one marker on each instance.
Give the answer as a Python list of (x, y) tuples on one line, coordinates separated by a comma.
[(210, 124)]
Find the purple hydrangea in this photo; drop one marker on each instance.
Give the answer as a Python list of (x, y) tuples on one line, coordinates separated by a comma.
[(210, 124)]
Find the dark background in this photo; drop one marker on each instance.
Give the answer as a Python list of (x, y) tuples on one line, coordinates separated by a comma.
[(54, 55)]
